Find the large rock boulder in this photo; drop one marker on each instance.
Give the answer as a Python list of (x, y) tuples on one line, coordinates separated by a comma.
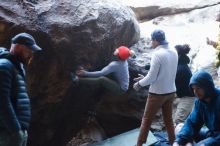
[(71, 33)]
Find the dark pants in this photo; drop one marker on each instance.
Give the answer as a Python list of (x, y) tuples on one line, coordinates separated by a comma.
[(15, 139), (110, 85), (207, 138), (153, 104)]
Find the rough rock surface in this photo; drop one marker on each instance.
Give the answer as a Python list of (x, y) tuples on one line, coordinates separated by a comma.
[(71, 33)]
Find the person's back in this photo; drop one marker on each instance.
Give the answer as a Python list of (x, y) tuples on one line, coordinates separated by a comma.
[(161, 78), (185, 97), (165, 81), (184, 73), (182, 80), (121, 73)]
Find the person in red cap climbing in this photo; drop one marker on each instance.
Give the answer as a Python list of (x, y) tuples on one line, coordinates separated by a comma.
[(118, 68)]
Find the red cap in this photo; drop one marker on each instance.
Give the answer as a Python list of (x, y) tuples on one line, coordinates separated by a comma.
[(123, 53)]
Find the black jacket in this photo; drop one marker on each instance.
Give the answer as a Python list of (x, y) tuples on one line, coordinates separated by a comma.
[(183, 77), (15, 111)]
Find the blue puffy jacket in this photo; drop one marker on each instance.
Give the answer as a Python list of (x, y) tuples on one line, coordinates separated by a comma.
[(203, 113), (15, 111)]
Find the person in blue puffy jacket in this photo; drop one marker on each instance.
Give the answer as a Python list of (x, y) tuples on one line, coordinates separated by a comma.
[(15, 110)]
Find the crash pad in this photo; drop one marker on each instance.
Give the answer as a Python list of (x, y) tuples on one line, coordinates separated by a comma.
[(126, 139)]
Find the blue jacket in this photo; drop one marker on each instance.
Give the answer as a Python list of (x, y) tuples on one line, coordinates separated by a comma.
[(183, 76), (203, 113), (14, 102)]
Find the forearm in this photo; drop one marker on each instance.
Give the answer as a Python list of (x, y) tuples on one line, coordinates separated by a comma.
[(93, 74), (147, 80), (210, 141), (216, 136), (105, 71)]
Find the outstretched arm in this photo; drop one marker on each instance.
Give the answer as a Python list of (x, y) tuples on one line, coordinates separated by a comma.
[(105, 71)]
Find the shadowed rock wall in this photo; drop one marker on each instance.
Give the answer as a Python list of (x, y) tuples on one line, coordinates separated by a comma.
[(71, 33)]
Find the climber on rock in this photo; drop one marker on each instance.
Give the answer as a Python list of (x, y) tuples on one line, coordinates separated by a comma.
[(119, 69)]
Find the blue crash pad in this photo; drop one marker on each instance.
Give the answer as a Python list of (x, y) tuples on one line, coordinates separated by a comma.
[(126, 139)]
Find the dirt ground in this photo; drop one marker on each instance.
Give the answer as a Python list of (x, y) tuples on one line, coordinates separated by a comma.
[(77, 141)]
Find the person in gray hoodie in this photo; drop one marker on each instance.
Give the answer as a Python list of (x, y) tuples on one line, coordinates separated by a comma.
[(119, 69)]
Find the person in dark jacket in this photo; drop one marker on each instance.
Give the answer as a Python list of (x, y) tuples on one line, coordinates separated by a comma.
[(185, 97), (15, 110), (206, 112)]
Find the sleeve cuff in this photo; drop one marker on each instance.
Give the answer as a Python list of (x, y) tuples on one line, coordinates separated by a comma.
[(86, 73), (140, 83)]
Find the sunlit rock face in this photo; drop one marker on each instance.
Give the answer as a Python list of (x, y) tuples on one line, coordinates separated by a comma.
[(71, 33), (152, 9)]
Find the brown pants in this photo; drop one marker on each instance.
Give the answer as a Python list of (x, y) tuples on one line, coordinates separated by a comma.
[(153, 104)]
